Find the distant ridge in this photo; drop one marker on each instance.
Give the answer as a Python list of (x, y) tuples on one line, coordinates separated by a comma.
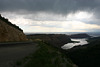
[(81, 35)]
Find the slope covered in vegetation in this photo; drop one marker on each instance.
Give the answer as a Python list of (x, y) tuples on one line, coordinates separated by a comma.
[(86, 55), (56, 40), (46, 56)]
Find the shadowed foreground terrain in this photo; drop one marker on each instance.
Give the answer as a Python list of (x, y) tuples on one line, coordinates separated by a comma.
[(86, 55), (38, 53), (46, 56)]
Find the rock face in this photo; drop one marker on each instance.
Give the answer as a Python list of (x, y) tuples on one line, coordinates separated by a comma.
[(10, 32), (56, 40)]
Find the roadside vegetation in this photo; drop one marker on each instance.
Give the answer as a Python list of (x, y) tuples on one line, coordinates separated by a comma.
[(46, 56)]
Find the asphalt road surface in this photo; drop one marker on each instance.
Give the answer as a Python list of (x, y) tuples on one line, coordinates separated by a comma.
[(10, 53)]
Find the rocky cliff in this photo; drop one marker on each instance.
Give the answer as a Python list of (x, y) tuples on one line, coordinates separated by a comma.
[(10, 32)]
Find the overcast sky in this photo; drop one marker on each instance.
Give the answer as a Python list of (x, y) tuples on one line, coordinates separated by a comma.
[(53, 15)]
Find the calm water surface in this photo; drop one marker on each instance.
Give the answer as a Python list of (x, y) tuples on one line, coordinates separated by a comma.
[(70, 45)]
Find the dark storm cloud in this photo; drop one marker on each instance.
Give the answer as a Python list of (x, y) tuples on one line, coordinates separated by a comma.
[(30, 5), (53, 9), (54, 6)]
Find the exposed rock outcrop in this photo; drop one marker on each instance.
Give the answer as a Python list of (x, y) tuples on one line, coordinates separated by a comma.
[(10, 32)]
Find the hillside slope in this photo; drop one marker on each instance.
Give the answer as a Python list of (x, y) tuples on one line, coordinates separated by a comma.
[(10, 32), (86, 55), (56, 40), (46, 56)]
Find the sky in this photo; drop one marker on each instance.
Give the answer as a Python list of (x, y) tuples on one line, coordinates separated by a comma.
[(53, 15)]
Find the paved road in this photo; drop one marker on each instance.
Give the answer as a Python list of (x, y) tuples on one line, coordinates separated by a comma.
[(10, 54)]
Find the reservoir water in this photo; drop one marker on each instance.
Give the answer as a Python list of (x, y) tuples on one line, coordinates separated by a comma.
[(70, 45)]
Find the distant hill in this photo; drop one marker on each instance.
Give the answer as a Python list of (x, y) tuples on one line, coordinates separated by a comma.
[(81, 35), (10, 32)]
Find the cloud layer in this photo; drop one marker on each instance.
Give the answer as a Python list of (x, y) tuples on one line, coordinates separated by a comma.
[(53, 13), (54, 6)]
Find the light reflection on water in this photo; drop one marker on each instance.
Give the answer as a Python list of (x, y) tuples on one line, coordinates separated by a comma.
[(70, 45)]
